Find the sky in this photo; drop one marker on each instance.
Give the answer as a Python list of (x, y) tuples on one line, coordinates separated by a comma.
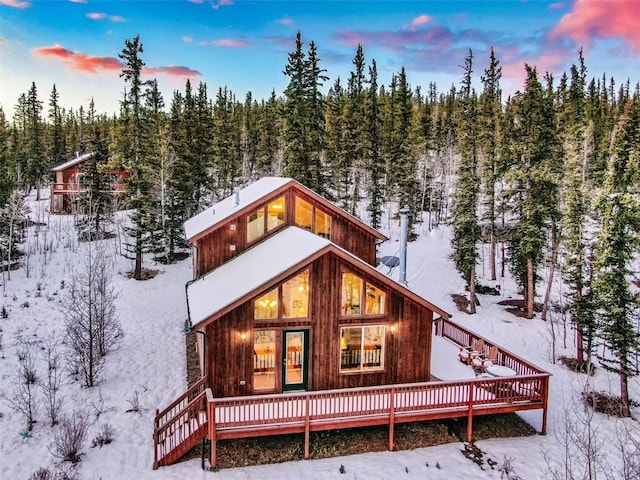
[(243, 45)]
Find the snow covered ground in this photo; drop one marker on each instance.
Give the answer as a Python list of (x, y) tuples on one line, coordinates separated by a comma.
[(149, 365)]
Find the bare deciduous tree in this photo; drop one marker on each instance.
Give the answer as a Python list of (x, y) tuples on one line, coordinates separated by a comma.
[(69, 437), (23, 398), (50, 384), (91, 324)]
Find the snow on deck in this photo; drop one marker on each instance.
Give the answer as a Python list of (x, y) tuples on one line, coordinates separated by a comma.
[(445, 364)]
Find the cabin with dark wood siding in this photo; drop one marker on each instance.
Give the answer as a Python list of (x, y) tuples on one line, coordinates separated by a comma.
[(264, 208), (70, 183), (298, 312)]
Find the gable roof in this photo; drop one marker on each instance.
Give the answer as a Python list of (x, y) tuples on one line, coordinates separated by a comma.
[(231, 284), (72, 162), (252, 194)]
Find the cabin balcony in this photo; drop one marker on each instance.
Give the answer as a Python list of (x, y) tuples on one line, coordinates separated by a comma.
[(197, 414)]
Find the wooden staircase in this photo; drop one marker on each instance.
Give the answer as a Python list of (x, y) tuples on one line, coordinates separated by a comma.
[(181, 426)]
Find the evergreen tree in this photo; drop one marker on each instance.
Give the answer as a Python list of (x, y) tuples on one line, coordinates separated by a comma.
[(617, 247), (268, 150), (489, 139), (37, 162), (56, 144), (227, 144), (466, 231), (374, 162), (532, 189), (96, 202), (131, 148), (336, 157)]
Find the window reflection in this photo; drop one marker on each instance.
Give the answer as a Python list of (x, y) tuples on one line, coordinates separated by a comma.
[(267, 306), (264, 360)]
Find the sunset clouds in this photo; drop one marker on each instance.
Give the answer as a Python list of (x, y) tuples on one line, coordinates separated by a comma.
[(79, 61), (82, 62), (590, 19), (15, 3), (231, 43)]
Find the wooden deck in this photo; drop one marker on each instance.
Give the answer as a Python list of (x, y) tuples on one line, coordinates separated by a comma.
[(197, 414)]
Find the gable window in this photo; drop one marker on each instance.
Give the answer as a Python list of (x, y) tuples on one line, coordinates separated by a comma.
[(289, 300), (362, 348), (312, 218), (356, 293), (265, 219)]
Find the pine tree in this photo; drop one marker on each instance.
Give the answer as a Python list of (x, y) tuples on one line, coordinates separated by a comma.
[(336, 157), (374, 162), (268, 150), (466, 231), (96, 203), (617, 247), (533, 193), (131, 148), (489, 138), (56, 143), (37, 162)]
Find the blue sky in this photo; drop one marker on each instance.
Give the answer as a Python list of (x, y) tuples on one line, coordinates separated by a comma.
[(244, 44)]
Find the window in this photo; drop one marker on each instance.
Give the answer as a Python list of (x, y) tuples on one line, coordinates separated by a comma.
[(295, 296), (275, 214), (352, 296), (313, 219), (265, 219), (264, 360), (255, 225), (266, 306), (304, 214), (362, 348), (290, 300)]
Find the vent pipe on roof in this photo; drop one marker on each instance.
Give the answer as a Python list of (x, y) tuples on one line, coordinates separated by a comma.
[(237, 197), (404, 234)]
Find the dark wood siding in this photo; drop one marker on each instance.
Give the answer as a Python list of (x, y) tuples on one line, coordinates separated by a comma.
[(214, 247), (407, 350)]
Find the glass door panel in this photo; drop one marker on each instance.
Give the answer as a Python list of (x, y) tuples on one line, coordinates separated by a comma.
[(264, 360), (294, 362)]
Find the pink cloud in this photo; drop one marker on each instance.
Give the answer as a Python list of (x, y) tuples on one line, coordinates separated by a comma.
[(420, 20), (15, 3), (187, 39), (286, 21), (556, 6), (78, 1), (589, 19), (104, 16), (513, 70), (231, 43), (215, 4), (172, 71), (80, 61)]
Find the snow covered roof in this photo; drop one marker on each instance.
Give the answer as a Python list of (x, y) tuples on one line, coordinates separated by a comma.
[(232, 204), (233, 281), (245, 273), (72, 162), (251, 194)]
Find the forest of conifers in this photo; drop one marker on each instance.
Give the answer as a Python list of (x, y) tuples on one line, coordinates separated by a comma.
[(548, 177)]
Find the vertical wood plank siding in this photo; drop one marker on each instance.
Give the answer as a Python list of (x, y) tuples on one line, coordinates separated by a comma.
[(213, 248), (407, 350)]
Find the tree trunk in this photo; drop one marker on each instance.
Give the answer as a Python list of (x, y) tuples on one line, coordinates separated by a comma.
[(552, 271), (492, 253), (530, 288), (472, 291), (624, 387)]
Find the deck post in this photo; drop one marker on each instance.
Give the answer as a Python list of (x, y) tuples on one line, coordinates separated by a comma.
[(155, 440), (211, 409), (392, 414), (306, 427), (545, 381), (470, 414)]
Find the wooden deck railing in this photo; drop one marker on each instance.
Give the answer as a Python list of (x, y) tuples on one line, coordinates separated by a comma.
[(197, 413), (181, 425)]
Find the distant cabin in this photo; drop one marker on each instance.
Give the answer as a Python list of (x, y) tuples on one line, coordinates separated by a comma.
[(263, 209), (70, 182)]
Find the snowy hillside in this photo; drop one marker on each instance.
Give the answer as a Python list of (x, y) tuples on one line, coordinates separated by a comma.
[(148, 370)]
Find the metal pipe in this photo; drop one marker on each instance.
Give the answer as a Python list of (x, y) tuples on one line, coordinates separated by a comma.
[(404, 233)]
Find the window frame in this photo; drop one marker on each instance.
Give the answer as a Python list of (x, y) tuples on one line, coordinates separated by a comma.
[(264, 211), (361, 355), (315, 213), (280, 298), (363, 297)]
